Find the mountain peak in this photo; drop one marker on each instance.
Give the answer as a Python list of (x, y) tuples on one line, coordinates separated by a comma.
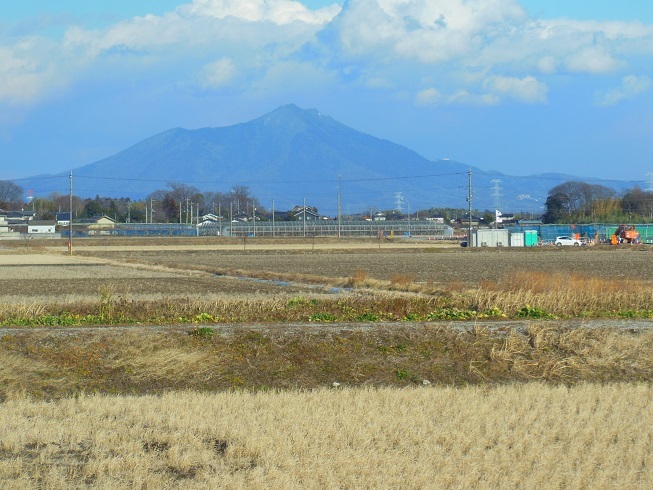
[(289, 112)]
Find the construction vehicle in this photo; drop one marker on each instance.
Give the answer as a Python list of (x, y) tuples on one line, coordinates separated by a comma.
[(625, 234)]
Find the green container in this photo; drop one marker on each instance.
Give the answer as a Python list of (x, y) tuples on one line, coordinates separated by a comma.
[(530, 238)]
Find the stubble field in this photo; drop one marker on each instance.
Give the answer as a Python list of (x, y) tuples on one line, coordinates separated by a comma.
[(175, 269), (324, 365)]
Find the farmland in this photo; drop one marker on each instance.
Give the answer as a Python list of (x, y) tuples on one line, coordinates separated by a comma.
[(201, 346)]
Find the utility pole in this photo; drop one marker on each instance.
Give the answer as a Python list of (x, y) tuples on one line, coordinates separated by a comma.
[(70, 223), (273, 231), (469, 200), (253, 219), (151, 210), (339, 205), (304, 217), (408, 203)]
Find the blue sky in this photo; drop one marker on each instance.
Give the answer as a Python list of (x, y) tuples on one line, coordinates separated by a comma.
[(517, 86)]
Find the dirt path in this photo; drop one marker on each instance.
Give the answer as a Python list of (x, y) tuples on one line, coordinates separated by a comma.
[(46, 259), (631, 325)]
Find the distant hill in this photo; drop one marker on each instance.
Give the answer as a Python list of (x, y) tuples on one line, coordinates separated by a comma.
[(291, 154)]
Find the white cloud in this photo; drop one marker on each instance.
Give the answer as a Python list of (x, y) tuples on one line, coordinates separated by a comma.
[(433, 97), (297, 79), (631, 86), (429, 31), (475, 51), (547, 65), (592, 59), (218, 74), (279, 11), (31, 68), (527, 89), (253, 32)]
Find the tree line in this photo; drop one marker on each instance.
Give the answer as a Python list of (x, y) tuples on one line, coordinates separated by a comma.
[(177, 203), (580, 202), (569, 202)]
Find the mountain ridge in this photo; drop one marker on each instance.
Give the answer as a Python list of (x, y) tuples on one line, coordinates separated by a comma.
[(292, 153)]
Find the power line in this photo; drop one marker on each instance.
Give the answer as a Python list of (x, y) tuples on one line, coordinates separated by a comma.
[(367, 179)]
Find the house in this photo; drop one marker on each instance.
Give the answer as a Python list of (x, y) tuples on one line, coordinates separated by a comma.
[(242, 218), (505, 218), (210, 217), (41, 227), (437, 218), (301, 213), (463, 221), (102, 225), (20, 217), (7, 232), (63, 219), (97, 221)]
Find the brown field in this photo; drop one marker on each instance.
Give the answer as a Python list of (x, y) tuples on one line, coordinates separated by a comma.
[(151, 268), (238, 390)]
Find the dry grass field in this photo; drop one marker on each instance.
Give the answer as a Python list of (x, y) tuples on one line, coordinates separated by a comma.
[(526, 436), (211, 364)]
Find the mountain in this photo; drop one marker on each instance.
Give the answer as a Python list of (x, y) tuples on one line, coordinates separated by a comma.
[(292, 154)]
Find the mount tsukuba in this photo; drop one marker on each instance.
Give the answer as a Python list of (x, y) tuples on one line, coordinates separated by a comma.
[(292, 154)]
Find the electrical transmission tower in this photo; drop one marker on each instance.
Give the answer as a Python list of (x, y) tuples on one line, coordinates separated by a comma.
[(496, 193), (649, 182), (399, 199)]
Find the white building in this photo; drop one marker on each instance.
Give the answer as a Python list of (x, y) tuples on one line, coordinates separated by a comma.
[(40, 227)]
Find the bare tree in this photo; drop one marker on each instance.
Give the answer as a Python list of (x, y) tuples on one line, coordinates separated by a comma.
[(575, 198), (10, 193), (637, 201), (241, 198)]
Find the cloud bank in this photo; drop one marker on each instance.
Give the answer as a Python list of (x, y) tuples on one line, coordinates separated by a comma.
[(433, 52)]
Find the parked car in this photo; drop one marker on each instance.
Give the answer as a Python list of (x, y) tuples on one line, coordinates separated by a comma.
[(567, 240)]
